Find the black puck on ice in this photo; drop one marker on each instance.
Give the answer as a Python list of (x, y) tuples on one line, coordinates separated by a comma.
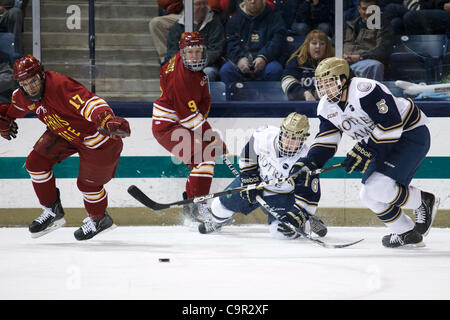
[(164, 260)]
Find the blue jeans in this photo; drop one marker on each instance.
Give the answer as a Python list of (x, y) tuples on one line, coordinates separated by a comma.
[(369, 68), (230, 73), (394, 13), (302, 29), (427, 22)]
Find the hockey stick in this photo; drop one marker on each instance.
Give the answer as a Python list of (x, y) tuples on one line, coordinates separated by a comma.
[(230, 165), (272, 212), (140, 196), (119, 134)]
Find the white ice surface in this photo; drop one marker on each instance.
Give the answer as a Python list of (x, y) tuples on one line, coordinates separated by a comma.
[(240, 262)]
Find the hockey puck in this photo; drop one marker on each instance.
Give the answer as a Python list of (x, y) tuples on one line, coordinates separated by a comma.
[(164, 260)]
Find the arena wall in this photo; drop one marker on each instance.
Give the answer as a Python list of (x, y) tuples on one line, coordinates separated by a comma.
[(146, 164)]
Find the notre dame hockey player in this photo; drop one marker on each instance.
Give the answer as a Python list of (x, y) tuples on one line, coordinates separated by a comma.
[(391, 141)]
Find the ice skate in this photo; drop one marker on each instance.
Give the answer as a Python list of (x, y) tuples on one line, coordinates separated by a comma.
[(408, 239), (211, 223), (52, 218), (91, 228), (191, 211), (426, 213)]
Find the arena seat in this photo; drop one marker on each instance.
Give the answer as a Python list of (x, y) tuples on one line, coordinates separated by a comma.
[(418, 58), (256, 91), (9, 46), (217, 91)]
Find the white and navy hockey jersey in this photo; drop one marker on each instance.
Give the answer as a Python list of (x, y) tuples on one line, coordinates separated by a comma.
[(370, 114), (261, 156)]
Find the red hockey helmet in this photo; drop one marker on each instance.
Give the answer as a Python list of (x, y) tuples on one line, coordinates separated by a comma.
[(192, 40), (26, 67)]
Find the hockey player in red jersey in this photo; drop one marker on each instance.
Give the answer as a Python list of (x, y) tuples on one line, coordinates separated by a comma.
[(77, 121), (180, 122)]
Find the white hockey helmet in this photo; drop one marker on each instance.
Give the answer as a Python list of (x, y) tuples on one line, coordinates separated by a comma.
[(294, 131)]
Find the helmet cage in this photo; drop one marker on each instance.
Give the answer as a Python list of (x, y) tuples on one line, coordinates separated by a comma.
[(194, 65), (294, 131), (33, 82), (331, 87), (289, 144)]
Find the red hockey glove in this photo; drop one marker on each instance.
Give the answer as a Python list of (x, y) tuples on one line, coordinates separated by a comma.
[(8, 127), (110, 125)]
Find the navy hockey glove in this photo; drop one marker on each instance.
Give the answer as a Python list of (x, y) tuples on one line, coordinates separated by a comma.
[(8, 127), (286, 231), (250, 195), (305, 168), (359, 158), (296, 217)]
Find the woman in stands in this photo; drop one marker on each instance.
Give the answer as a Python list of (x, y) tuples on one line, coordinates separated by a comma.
[(298, 75)]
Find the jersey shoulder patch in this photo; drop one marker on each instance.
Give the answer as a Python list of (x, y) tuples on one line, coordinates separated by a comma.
[(364, 86)]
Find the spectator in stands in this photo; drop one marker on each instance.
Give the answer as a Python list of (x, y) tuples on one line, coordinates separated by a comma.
[(287, 10), (255, 36), (159, 26), (298, 76), (229, 7), (7, 83), (367, 50), (433, 17), (395, 11), (11, 18), (313, 14), (210, 27)]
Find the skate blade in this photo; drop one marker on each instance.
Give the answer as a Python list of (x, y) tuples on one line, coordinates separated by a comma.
[(433, 214), (412, 246), (113, 226), (55, 225)]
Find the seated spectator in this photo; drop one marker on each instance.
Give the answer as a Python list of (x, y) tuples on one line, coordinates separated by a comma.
[(298, 76), (313, 14), (395, 11), (367, 50), (229, 7), (11, 18), (210, 27), (432, 18), (159, 26), (350, 10), (7, 83), (255, 36)]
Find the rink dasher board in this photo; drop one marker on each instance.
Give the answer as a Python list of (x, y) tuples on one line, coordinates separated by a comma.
[(235, 131)]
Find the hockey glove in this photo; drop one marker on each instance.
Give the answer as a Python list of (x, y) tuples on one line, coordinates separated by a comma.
[(359, 158), (8, 127), (246, 194), (286, 231), (295, 217), (305, 168), (112, 126)]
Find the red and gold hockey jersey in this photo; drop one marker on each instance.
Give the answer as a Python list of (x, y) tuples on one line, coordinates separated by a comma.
[(67, 109), (185, 97)]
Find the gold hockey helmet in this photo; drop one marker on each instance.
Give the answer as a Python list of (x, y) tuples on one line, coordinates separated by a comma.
[(294, 131), (328, 76)]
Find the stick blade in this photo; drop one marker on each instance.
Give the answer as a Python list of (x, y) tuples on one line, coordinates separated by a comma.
[(333, 246), (136, 193)]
